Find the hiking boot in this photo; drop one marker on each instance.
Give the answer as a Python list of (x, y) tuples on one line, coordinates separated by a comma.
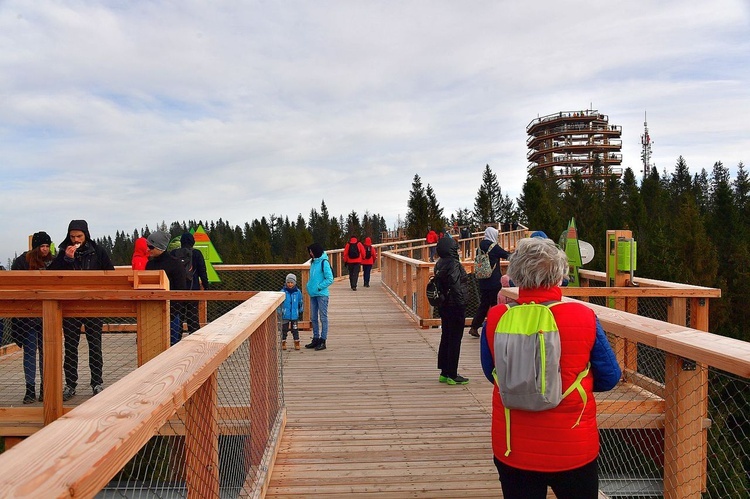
[(30, 396), (97, 389), (68, 393), (443, 379), (457, 380), (283, 345), (296, 344), (321, 345), (313, 343), (473, 332)]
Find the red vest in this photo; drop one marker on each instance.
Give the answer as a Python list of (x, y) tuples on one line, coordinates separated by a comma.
[(546, 441)]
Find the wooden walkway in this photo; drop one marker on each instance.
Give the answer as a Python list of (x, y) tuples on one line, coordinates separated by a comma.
[(367, 416)]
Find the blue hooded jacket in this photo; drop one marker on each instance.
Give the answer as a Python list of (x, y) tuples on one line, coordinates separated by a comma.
[(321, 273)]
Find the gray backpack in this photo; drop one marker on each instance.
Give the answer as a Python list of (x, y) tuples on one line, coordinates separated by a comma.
[(527, 362)]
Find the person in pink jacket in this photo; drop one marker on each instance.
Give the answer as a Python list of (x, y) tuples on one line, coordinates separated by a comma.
[(368, 259)]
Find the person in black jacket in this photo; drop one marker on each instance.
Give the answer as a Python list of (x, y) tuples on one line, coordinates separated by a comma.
[(28, 331), (160, 259), (490, 287), (452, 280), (79, 252), (198, 278)]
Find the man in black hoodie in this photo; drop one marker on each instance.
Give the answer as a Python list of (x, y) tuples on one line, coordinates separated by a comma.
[(79, 252), (198, 277)]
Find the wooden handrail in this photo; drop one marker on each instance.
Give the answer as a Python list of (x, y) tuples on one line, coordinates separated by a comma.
[(78, 454)]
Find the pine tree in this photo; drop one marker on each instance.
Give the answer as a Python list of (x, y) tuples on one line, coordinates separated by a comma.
[(417, 214)]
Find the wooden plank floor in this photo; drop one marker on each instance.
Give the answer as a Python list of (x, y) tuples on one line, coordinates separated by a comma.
[(368, 416)]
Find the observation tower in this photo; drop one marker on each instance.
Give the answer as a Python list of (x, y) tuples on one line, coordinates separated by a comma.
[(574, 142)]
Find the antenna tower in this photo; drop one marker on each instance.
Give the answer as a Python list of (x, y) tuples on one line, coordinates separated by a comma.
[(646, 148)]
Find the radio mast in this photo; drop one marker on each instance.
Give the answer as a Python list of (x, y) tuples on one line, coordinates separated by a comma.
[(646, 149)]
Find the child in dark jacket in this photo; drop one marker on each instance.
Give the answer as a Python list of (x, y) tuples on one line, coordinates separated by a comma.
[(291, 311)]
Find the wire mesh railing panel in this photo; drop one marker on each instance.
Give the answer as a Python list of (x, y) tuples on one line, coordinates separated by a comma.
[(728, 452), (229, 421), (97, 352)]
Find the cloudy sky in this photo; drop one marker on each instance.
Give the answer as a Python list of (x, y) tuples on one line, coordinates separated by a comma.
[(131, 113)]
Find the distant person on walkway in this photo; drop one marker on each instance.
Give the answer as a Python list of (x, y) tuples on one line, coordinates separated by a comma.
[(452, 278), (160, 259), (140, 254), (28, 331), (197, 279), (321, 277), (551, 447), (291, 310), (368, 259), (79, 252), (489, 287), (353, 253), (432, 238)]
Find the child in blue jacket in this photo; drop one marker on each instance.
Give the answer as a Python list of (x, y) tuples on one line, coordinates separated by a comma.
[(291, 311)]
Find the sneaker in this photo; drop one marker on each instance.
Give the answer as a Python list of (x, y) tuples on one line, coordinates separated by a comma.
[(458, 380), (29, 398), (68, 393), (473, 331), (443, 379), (313, 343), (321, 345), (97, 389)]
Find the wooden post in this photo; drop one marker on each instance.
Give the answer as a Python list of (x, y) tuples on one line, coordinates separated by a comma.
[(53, 368), (202, 441), (152, 329), (683, 429)]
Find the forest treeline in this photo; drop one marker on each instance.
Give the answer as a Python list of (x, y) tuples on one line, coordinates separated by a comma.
[(693, 229)]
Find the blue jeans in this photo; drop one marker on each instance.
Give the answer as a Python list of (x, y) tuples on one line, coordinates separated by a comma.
[(319, 308), (31, 340), (175, 329)]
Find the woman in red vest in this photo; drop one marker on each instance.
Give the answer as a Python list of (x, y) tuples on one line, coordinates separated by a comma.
[(555, 447)]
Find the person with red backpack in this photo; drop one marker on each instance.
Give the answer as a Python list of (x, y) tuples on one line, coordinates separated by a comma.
[(353, 253), (368, 259)]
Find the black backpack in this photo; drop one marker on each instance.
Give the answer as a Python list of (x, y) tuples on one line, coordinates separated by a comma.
[(354, 250), (368, 252), (185, 256), (435, 295)]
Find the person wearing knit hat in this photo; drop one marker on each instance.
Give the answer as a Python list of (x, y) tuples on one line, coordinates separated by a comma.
[(27, 332), (160, 259), (79, 252), (321, 277), (291, 310), (196, 277)]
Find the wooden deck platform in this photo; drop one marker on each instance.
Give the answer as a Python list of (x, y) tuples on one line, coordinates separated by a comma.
[(367, 416)]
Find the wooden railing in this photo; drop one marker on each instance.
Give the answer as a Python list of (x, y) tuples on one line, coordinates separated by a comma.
[(78, 454), (677, 406), (54, 295)]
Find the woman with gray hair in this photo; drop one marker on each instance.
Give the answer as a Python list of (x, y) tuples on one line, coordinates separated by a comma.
[(551, 447)]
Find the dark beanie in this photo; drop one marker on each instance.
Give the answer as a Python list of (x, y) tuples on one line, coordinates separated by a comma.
[(187, 240), (78, 225), (39, 239), (317, 249)]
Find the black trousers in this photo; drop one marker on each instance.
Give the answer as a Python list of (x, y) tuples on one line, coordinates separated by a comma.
[(191, 316), (353, 274), (578, 483), (452, 320), (487, 299), (72, 337)]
